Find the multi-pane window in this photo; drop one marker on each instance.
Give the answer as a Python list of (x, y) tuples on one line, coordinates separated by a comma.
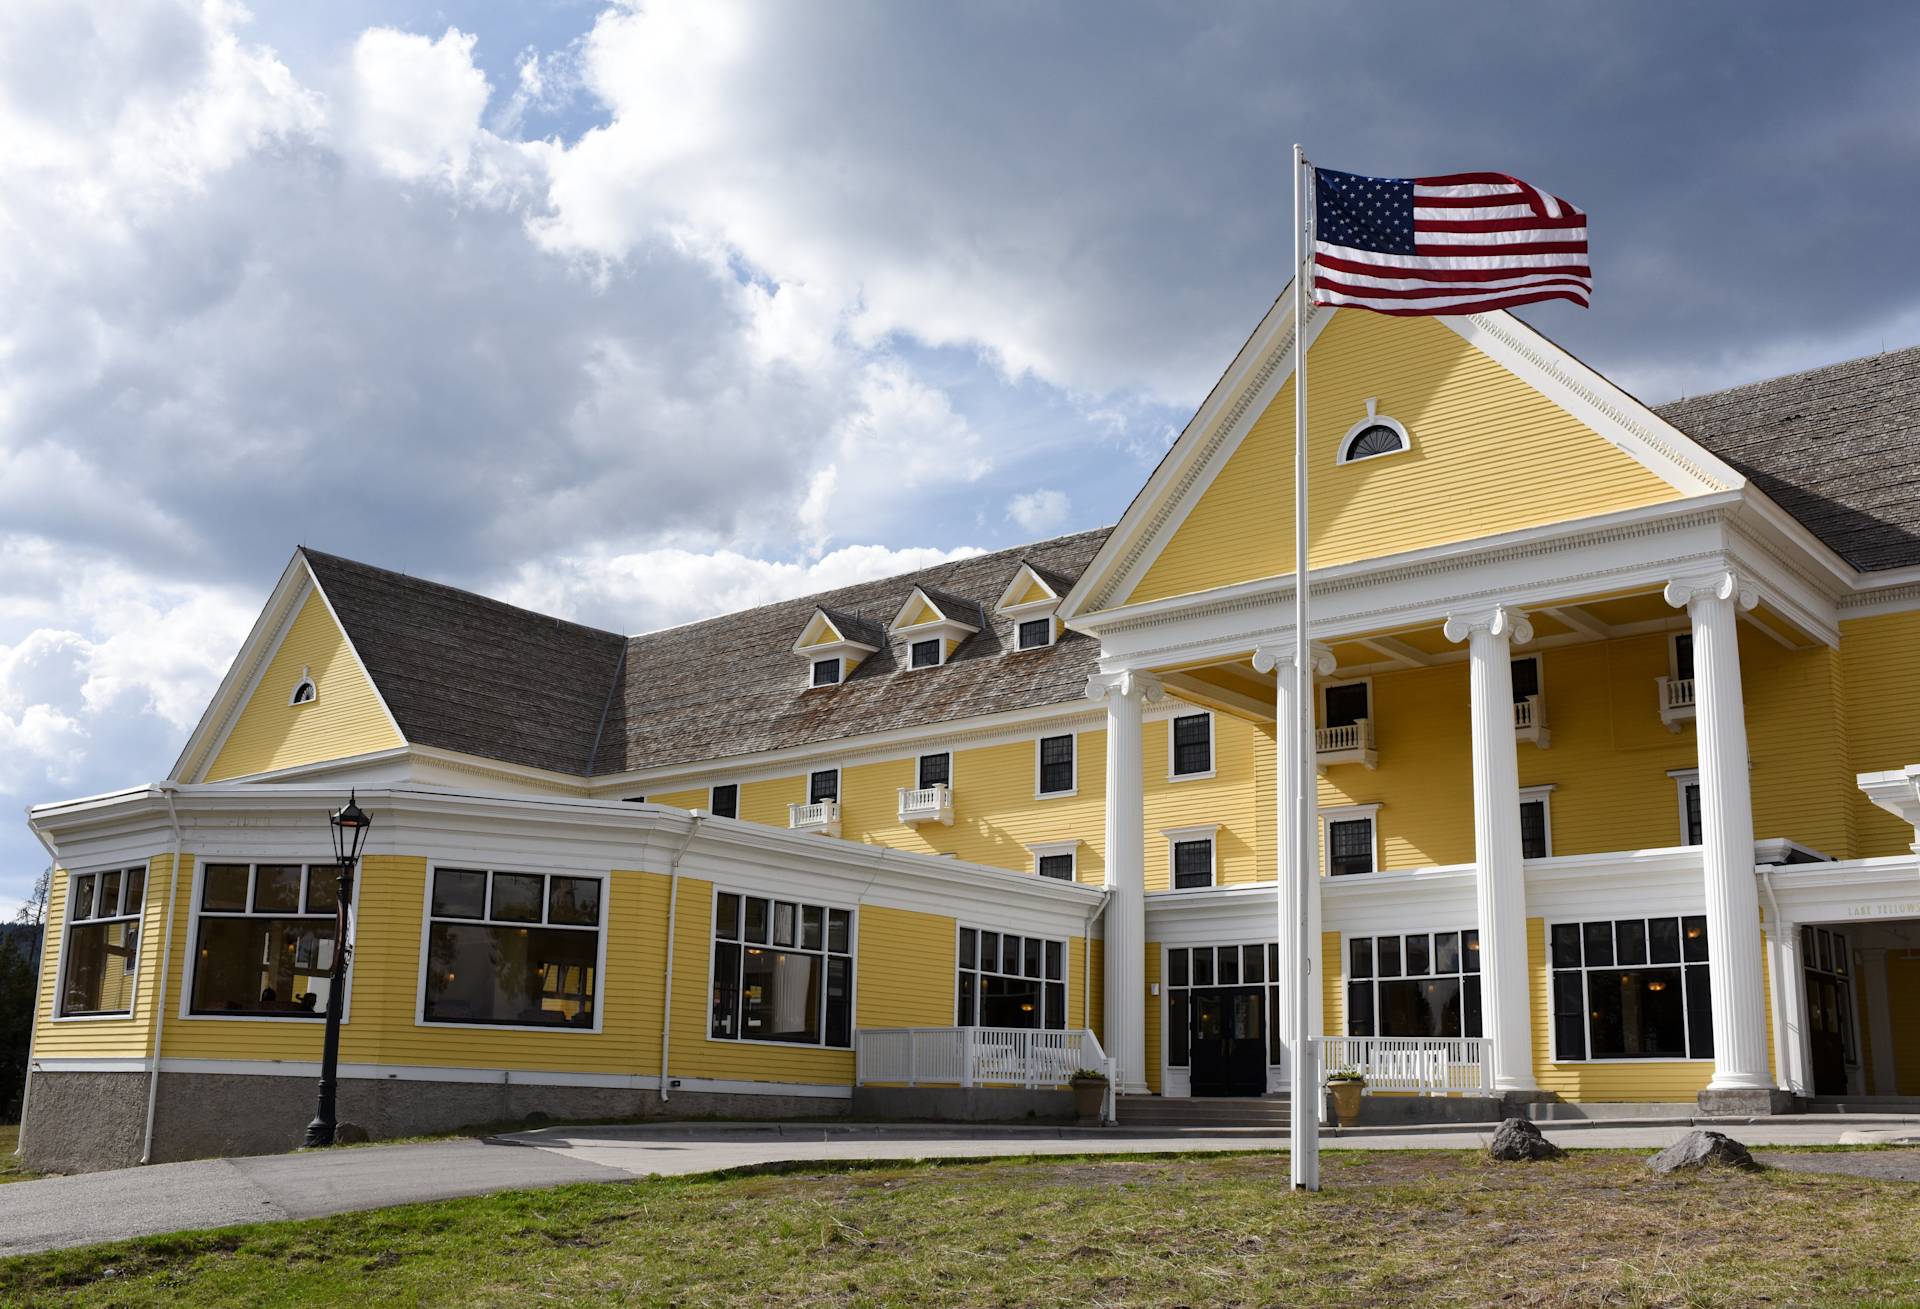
[(103, 942), (1059, 866), (782, 971), (1007, 980), (1192, 745), (1690, 813), (1193, 862), (926, 654), (1349, 846), (266, 939), (1344, 704), (725, 800), (1036, 632), (935, 770), (1056, 764), (1533, 829), (1633, 988), (1526, 677), (1414, 984), (1202, 966), (823, 785), (826, 671), (1829, 991), (513, 949)]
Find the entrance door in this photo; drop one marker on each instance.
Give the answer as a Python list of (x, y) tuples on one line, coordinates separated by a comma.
[(1228, 1041), (1826, 1034)]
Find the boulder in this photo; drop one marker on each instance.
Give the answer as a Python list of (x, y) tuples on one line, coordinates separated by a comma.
[(351, 1134), (1701, 1149), (1518, 1138)]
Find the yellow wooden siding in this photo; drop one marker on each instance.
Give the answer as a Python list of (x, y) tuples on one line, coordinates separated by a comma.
[(1333, 990), (1086, 986), (906, 969), (1033, 594), (1802, 786), (346, 719), (922, 613), (1479, 435), (1903, 1013), (697, 798), (1882, 723), (1154, 1009), (130, 1037), (1228, 798)]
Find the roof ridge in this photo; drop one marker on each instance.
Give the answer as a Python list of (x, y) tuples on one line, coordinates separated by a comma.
[(414, 580), (1787, 377)]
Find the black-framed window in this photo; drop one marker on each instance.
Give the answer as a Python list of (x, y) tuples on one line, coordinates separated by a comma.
[(1414, 984), (265, 937), (102, 950), (935, 770), (1691, 830), (1344, 705), (1058, 866), (1036, 632), (1683, 656), (1830, 1008), (823, 785), (1526, 677), (1056, 764), (826, 671), (1201, 966), (725, 800), (1193, 862), (1533, 828), (1349, 846), (1632, 988), (925, 654), (508, 949), (782, 971), (1192, 744), (1007, 980)]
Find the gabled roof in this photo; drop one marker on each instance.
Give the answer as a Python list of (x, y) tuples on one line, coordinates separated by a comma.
[(846, 629), (1023, 579), (948, 610), (1836, 447)]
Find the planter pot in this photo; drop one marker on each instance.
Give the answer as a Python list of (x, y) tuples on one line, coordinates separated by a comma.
[(1089, 1098), (1346, 1101)]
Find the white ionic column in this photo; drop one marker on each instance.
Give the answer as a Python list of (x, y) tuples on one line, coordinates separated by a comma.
[(1793, 1054), (1288, 730), (1126, 919), (1726, 829), (1499, 882)]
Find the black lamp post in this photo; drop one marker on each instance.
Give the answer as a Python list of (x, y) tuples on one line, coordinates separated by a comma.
[(349, 833)]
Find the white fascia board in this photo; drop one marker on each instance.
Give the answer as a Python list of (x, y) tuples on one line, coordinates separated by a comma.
[(1854, 891), (1897, 791), (1023, 578), (263, 638)]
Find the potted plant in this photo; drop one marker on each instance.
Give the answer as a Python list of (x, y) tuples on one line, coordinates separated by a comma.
[(1346, 1084), (1089, 1093)]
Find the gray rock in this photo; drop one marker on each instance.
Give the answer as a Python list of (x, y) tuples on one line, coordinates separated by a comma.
[(1518, 1138), (1701, 1149), (351, 1134)]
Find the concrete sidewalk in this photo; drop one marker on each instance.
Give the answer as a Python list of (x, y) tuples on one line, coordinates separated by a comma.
[(60, 1212)]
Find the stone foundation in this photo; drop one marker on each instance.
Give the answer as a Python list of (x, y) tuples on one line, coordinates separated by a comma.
[(958, 1104), (1757, 1103)]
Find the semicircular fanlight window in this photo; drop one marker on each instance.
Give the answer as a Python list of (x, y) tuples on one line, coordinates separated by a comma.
[(1376, 440)]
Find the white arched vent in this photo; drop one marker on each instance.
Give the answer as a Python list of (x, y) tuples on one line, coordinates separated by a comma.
[(1373, 436), (304, 690)]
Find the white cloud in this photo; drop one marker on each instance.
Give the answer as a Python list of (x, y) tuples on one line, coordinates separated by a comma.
[(1039, 512), (417, 103)]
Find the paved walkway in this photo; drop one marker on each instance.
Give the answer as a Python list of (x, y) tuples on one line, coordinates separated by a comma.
[(59, 1212)]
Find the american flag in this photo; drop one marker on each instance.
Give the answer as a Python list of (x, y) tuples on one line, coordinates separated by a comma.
[(1459, 244)]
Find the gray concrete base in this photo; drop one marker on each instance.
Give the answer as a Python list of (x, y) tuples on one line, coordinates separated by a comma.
[(961, 1104), (1758, 1102), (1570, 1111), (1394, 1110), (82, 1122)]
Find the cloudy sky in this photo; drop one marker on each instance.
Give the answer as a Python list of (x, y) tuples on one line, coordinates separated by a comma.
[(635, 312)]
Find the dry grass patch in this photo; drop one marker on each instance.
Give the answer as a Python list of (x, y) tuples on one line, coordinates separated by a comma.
[(10, 1167)]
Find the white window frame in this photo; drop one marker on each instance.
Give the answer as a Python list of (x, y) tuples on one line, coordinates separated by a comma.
[(1544, 794), (1682, 779), (806, 785), (306, 680), (600, 953), (1686, 1020), (1208, 832), (1213, 746), (1320, 701), (939, 653), (840, 671), (853, 954), (1402, 933), (736, 798), (1348, 814), (1072, 790), (68, 922), (1054, 849), (197, 891), (926, 754), (1343, 458), (1053, 631), (1066, 973)]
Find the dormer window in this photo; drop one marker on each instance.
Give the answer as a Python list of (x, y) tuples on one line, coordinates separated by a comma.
[(826, 672), (926, 654), (1030, 601), (1373, 436), (834, 643), (304, 690), (934, 625), (1035, 633)]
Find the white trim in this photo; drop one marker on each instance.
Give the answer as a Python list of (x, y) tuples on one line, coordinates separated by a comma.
[(1347, 979), (1053, 631), (64, 944), (1544, 795), (196, 916), (1043, 981), (713, 809), (1073, 790), (247, 666), (800, 902), (1341, 457), (1351, 813), (1586, 1004), (839, 661), (926, 754), (1208, 832), (306, 681), (603, 930), (1213, 745), (1027, 573), (806, 783), (1053, 850), (1682, 779)]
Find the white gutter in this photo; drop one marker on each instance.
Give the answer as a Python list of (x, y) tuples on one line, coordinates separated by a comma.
[(673, 914), (167, 789)]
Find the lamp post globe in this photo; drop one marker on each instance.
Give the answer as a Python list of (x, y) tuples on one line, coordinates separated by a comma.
[(349, 824)]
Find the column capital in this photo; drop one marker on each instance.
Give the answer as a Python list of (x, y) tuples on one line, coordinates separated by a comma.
[(1268, 658), (1725, 584), (1127, 683), (1496, 620)]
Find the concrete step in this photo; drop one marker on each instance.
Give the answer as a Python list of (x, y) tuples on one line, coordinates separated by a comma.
[(1202, 1111)]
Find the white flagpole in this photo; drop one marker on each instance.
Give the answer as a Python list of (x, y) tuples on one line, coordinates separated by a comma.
[(1304, 1087)]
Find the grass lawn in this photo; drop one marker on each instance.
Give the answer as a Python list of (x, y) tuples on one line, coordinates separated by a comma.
[(1390, 1228), (10, 1169)]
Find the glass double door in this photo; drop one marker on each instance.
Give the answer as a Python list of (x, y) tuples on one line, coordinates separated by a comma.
[(1227, 1041)]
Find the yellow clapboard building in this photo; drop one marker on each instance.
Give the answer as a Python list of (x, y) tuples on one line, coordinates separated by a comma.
[(1616, 719)]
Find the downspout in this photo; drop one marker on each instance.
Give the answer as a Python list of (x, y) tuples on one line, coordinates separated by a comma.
[(1782, 1063), (167, 789), (673, 914), (33, 1017)]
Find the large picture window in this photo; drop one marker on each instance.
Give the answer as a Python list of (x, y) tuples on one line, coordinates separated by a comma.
[(1007, 980), (782, 972), (265, 940), (1414, 984), (513, 949), (103, 943), (1191, 968), (1632, 988)]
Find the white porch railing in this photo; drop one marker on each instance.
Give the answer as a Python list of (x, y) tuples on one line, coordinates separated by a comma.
[(977, 1056), (823, 816), (1676, 701), (1425, 1065), (927, 804), (1530, 720), (1348, 743)]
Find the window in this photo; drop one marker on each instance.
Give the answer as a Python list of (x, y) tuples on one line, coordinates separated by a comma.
[(826, 672), (1056, 765), (926, 654), (1526, 677), (1191, 858), (1225, 965), (1372, 437), (1191, 746), (934, 770), (1056, 859), (1010, 981), (265, 940), (1688, 782), (1829, 992), (513, 949), (1536, 823), (1349, 845), (1636, 988), (1416, 984), (1036, 632), (781, 972), (304, 692), (1345, 704), (103, 942), (1683, 656), (724, 800), (823, 786)]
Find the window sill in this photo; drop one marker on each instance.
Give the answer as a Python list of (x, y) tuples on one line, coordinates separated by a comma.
[(430, 1025), (1056, 795), (777, 1045), (115, 1017), (1191, 777)]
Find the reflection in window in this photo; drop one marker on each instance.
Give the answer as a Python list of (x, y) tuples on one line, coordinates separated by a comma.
[(512, 949), (1007, 980), (265, 940), (1636, 988), (103, 942), (1419, 984), (782, 971)]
